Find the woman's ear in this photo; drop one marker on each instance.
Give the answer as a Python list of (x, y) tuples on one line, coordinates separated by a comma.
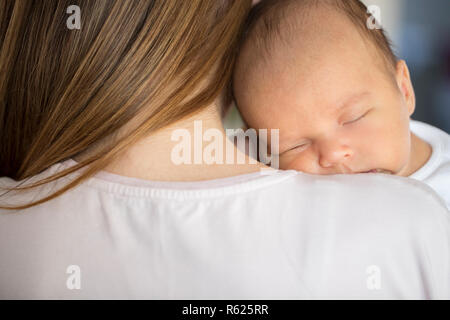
[(405, 85)]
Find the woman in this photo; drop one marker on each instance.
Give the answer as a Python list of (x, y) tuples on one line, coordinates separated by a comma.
[(92, 127)]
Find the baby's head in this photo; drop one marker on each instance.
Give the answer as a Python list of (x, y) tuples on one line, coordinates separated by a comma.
[(314, 70)]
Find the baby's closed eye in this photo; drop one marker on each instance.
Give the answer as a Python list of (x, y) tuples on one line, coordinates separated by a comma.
[(357, 118)]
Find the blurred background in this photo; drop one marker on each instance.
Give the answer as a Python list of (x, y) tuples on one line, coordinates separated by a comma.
[(420, 33)]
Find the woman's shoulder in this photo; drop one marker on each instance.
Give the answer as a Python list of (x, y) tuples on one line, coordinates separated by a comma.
[(341, 225)]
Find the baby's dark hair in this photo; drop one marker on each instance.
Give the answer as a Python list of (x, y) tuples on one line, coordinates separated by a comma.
[(267, 23)]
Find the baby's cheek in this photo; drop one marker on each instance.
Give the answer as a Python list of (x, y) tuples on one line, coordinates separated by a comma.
[(401, 149), (385, 145), (288, 162), (285, 163), (370, 139), (300, 162)]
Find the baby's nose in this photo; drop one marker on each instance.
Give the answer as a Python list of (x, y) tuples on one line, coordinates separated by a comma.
[(332, 156)]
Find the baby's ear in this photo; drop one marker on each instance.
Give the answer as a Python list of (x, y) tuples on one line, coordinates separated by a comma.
[(405, 85)]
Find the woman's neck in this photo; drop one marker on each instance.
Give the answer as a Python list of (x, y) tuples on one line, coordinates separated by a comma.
[(183, 152)]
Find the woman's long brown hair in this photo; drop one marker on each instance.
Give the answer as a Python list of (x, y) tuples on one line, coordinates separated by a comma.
[(63, 91)]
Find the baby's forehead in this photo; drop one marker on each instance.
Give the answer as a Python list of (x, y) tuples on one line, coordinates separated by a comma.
[(302, 28), (285, 107), (279, 46), (286, 22), (308, 75)]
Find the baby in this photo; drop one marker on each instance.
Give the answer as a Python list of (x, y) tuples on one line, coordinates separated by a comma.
[(340, 98)]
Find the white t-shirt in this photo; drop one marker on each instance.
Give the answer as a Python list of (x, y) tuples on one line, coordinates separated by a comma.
[(436, 172), (288, 235)]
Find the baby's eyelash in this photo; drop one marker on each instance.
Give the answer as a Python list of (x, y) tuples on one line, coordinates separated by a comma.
[(300, 145), (357, 118), (296, 147)]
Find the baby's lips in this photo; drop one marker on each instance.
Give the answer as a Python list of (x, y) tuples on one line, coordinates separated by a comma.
[(377, 171), (371, 171)]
